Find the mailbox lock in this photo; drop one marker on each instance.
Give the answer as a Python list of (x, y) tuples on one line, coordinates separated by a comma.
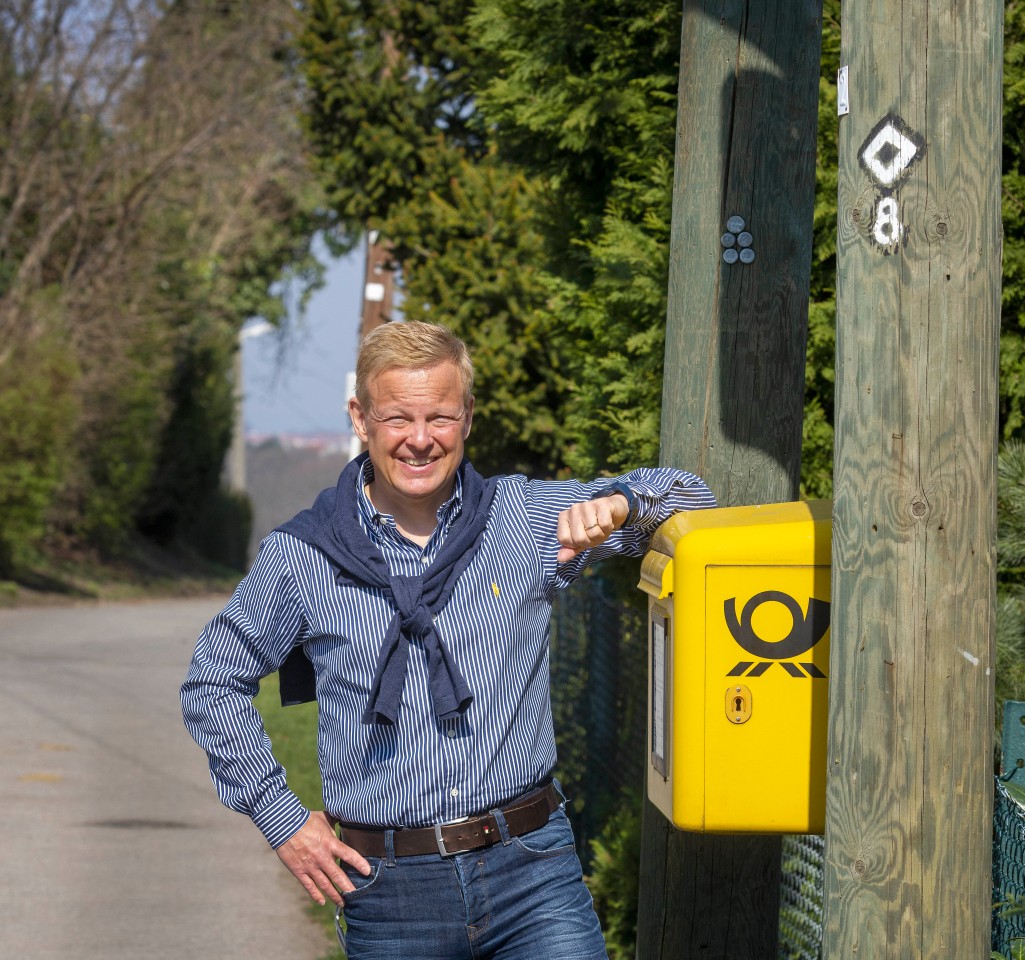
[(738, 703)]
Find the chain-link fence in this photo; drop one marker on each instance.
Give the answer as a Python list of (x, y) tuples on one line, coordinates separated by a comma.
[(800, 899), (599, 701), (599, 696), (1008, 875)]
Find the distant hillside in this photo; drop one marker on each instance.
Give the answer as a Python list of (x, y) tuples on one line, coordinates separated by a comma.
[(285, 474)]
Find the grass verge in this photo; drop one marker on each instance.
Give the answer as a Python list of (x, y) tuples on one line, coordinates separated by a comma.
[(293, 734), (140, 571)]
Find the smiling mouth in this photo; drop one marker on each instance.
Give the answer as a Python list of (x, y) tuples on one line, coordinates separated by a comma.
[(419, 461)]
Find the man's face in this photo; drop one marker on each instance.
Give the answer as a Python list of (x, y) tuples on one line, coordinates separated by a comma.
[(414, 430)]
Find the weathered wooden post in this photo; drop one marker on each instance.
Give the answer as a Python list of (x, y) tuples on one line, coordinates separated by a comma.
[(734, 380), (909, 797)]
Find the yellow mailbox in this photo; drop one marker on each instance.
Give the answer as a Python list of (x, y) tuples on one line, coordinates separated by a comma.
[(738, 655)]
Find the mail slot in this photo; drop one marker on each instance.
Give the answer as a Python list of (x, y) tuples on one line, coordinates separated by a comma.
[(738, 659)]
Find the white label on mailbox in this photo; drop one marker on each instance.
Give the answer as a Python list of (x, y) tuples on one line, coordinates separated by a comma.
[(658, 692)]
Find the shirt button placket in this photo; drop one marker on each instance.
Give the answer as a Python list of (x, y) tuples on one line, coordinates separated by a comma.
[(450, 750)]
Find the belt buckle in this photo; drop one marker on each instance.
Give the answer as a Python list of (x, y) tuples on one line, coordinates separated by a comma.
[(442, 849), (441, 840)]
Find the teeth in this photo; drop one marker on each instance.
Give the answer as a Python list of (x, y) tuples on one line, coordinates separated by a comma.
[(419, 463)]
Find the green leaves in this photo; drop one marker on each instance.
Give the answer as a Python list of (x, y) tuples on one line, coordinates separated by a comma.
[(37, 410), (153, 191), (473, 263), (518, 157)]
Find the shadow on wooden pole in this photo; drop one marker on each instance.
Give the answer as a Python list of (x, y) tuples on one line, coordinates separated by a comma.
[(734, 382)]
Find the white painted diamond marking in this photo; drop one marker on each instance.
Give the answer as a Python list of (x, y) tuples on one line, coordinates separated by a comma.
[(888, 172)]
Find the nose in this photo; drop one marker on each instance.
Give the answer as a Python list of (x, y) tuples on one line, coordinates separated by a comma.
[(419, 434)]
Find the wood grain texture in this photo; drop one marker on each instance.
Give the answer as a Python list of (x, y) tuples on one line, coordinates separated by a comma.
[(734, 382), (909, 791)]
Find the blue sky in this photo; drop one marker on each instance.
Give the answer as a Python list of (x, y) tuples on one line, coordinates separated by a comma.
[(294, 382)]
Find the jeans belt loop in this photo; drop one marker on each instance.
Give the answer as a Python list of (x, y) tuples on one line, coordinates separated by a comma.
[(503, 826)]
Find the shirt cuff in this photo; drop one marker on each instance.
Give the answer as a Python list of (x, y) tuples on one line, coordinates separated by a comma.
[(281, 819)]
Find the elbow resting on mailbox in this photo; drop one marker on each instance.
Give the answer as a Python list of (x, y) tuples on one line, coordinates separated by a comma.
[(738, 664)]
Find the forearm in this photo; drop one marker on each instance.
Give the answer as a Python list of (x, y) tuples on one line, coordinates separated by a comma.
[(224, 722), (242, 644)]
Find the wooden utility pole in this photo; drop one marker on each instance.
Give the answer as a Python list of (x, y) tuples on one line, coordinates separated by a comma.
[(375, 309), (734, 382), (910, 785), (378, 284)]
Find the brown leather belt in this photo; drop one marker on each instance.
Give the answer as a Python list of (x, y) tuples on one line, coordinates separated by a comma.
[(522, 815)]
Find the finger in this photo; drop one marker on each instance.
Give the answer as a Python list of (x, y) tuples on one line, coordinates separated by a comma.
[(580, 527), (311, 887), (595, 523), (570, 534), (583, 519), (562, 529), (354, 859), (602, 525), (331, 882)]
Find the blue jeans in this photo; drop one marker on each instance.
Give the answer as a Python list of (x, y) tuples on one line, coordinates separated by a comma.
[(522, 899)]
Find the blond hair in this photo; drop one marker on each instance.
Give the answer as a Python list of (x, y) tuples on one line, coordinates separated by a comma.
[(412, 345)]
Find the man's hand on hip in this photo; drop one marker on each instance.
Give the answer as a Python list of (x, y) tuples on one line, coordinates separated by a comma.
[(312, 854)]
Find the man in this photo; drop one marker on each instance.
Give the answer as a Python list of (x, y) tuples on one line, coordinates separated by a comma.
[(422, 593)]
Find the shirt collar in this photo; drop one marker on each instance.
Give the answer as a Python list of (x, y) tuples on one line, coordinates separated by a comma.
[(371, 517)]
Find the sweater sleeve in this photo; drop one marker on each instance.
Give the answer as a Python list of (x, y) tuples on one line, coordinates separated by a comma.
[(244, 643)]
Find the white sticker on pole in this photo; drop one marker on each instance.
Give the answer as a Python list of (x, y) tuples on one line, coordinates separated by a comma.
[(843, 95)]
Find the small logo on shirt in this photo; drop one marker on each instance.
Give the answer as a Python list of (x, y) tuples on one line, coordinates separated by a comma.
[(494, 588)]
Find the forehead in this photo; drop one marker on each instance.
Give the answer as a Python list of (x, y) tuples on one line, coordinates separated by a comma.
[(439, 386)]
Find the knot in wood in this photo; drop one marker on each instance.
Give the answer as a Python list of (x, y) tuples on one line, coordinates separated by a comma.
[(918, 508)]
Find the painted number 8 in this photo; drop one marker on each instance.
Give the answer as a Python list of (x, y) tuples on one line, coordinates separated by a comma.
[(888, 228)]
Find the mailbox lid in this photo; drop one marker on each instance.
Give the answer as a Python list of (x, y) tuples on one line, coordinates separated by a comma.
[(798, 532)]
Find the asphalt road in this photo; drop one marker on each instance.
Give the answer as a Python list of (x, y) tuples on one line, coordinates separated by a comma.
[(112, 841)]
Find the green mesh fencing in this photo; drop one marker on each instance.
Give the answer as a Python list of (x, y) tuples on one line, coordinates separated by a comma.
[(1008, 875), (599, 697), (800, 898)]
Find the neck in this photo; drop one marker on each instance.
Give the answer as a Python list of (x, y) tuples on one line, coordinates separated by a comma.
[(415, 521)]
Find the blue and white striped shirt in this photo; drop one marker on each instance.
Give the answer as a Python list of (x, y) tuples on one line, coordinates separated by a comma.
[(421, 770)]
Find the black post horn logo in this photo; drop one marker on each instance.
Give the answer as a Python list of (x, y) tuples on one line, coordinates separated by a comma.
[(804, 634)]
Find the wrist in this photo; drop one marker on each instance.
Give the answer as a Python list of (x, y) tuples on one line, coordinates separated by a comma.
[(619, 489)]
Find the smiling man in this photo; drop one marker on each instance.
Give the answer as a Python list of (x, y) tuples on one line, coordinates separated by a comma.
[(421, 593), (414, 422)]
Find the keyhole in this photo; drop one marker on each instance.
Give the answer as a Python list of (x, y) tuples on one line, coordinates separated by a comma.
[(737, 703)]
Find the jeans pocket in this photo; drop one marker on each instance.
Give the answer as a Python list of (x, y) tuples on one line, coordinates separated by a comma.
[(554, 839), (363, 884)]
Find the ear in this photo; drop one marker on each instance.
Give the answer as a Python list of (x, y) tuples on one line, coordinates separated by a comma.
[(468, 421), (358, 418)]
